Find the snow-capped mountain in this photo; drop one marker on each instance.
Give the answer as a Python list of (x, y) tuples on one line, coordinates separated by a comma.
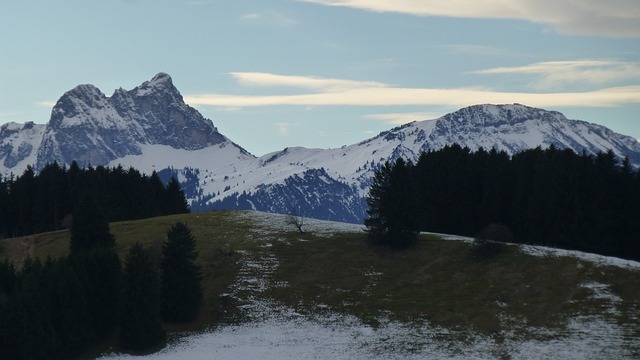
[(151, 128), (308, 180), (18, 146)]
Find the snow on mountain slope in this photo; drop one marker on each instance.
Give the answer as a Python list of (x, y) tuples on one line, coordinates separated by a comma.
[(511, 128), (91, 128), (151, 128), (18, 146), (332, 183)]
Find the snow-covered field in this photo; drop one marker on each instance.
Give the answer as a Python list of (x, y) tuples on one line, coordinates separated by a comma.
[(287, 335), (275, 332)]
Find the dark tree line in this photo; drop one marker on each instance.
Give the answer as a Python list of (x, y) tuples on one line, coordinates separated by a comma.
[(58, 308), (549, 197), (39, 202)]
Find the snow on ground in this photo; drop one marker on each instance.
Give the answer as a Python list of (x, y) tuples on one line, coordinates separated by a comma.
[(285, 334), (270, 223), (274, 332), (535, 250), (594, 258)]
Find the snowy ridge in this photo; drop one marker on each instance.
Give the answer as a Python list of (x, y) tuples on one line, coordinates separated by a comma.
[(151, 128), (18, 146), (88, 127), (509, 128)]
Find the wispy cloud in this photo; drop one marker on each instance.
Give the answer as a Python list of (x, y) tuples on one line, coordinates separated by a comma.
[(197, 2), (619, 18), (555, 73), (474, 49), (270, 17), (336, 92), (47, 104), (282, 128), (401, 118), (304, 82)]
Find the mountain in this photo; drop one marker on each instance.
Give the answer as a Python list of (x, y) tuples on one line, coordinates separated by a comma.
[(314, 178), (93, 129), (152, 129)]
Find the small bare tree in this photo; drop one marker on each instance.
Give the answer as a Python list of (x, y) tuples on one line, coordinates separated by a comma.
[(296, 219)]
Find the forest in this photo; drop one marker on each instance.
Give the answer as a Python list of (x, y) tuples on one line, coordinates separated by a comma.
[(60, 308), (548, 197), (39, 202)]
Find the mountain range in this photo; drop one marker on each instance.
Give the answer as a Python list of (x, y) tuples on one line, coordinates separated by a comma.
[(151, 128)]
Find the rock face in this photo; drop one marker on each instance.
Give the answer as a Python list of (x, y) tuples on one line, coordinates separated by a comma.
[(18, 144), (151, 128), (91, 128), (338, 191)]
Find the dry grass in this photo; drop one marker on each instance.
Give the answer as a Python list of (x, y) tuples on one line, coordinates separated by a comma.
[(439, 281)]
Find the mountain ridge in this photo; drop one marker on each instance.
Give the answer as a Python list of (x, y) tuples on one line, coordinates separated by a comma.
[(151, 129)]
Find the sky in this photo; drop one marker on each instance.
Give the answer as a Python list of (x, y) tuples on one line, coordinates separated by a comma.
[(326, 73)]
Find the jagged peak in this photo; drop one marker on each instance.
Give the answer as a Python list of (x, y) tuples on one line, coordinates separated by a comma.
[(84, 89), (161, 77), (485, 114), (161, 82)]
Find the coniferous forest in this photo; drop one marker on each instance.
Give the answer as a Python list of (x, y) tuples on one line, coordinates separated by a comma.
[(56, 309), (547, 197), (45, 201)]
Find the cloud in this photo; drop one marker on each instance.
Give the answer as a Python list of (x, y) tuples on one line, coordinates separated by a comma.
[(336, 92), (283, 128), (250, 16), (401, 118), (473, 49), (554, 73), (271, 18), (304, 82), (617, 18), (197, 2), (47, 104)]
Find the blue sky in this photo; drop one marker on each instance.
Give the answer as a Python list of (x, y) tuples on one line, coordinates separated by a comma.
[(326, 73)]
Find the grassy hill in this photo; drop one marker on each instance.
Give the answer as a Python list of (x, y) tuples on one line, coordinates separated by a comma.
[(506, 294)]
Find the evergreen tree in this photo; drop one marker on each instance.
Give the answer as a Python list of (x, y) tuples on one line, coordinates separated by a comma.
[(140, 323), (92, 250), (181, 289), (8, 283), (175, 200), (391, 220), (100, 275), (90, 228), (378, 211)]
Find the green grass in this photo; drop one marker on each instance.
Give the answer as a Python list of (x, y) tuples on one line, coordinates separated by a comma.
[(442, 282)]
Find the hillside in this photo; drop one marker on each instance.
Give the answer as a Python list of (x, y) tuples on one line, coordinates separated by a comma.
[(271, 288)]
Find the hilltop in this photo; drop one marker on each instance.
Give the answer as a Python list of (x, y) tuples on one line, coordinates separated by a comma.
[(261, 277)]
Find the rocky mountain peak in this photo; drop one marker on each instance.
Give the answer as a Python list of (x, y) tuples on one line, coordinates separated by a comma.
[(91, 128), (496, 115), (161, 83)]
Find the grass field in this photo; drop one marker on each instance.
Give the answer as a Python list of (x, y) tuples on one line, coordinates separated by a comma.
[(506, 295)]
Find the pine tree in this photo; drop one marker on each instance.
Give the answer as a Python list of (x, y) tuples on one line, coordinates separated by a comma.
[(377, 199), (92, 251), (90, 228), (391, 220), (175, 201), (140, 323), (181, 289)]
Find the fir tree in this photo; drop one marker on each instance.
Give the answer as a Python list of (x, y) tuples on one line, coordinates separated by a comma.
[(175, 200), (378, 199), (391, 220), (90, 228), (181, 289), (140, 323)]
